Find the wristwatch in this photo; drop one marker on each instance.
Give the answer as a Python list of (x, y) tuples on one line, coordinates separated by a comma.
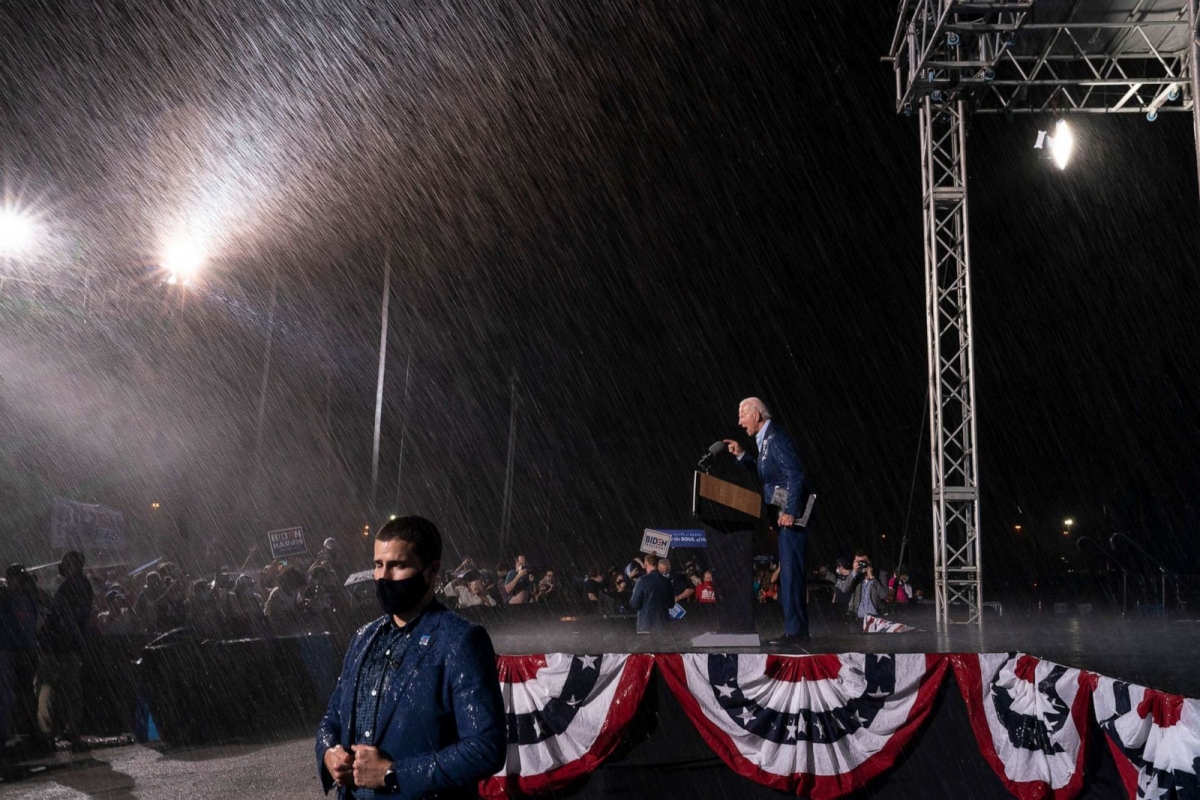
[(390, 782)]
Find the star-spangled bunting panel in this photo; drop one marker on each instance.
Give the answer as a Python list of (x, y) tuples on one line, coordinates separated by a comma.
[(874, 624), (823, 724), (1030, 720), (564, 716), (1154, 738)]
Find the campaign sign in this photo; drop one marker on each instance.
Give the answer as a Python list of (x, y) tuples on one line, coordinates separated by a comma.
[(287, 542), (656, 542), (86, 526), (687, 537)]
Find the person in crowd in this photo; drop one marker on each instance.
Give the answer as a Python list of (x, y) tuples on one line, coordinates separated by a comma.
[(61, 641), (868, 592), (146, 603), (619, 590), (900, 591), (115, 617), (321, 598), (706, 592), (842, 584), (283, 608), (330, 557), (18, 655), (468, 591), (244, 609), (768, 589), (681, 588), (498, 590), (518, 584), (781, 474), (593, 587), (417, 711), (652, 598), (202, 611), (170, 609), (545, 591)]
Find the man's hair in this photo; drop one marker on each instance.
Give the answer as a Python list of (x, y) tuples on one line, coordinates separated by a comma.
[(72, 559), (422, 534), (757, 405), (650, 560), (666, 561)]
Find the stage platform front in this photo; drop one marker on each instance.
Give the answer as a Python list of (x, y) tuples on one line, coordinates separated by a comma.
[(1033, 705), (1142, 650)]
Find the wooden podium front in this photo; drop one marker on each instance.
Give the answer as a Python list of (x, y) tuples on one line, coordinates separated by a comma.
[(730, 514)]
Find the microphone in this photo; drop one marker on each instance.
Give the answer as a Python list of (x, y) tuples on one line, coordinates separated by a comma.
[(715, 449)]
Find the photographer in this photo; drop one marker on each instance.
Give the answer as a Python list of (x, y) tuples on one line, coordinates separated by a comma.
[(468, 591), (868, 592), (518, 585)]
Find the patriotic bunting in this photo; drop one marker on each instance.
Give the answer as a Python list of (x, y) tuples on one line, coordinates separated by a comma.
[(874, 624), (1154, 737), (565, 714), (825, 725), (822, 724), (1030, 719)]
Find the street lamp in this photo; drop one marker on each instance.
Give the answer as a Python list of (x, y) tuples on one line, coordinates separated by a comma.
[(182, 259), (1067, 523), (16, 230)]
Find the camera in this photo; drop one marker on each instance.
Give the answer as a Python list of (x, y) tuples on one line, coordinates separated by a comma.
[(861, 564)]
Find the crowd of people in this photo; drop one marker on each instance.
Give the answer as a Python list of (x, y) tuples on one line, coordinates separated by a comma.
[(43, 636)]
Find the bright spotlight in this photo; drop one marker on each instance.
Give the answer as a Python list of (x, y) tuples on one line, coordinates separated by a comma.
[(1059, 145), (181, 261), (16, 231)]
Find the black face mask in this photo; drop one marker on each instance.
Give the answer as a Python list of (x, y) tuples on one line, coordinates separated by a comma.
[(399, 597)]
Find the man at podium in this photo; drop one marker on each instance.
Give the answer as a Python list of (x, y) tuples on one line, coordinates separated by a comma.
[(782, 477)]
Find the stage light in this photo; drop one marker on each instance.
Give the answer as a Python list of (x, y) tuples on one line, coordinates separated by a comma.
[(16, 231), (1169, 93), (1059, 146), (182, 260)]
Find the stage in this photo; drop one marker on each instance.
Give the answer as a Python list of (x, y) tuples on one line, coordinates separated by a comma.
[(1090, 703), (1142, 650)]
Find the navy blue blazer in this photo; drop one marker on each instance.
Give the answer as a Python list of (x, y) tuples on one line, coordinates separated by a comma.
[(779, 470), (653, 599), (445, 723)]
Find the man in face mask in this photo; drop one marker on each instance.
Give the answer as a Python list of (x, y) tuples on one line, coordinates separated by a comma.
[(418, 708)]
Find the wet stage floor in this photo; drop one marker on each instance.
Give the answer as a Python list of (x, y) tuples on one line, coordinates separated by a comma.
[(1148, 651)]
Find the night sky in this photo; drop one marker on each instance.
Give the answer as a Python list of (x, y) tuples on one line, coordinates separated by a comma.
[(643, 212)]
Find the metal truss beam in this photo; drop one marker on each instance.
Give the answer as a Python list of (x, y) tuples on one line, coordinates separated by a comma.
[(952, 58), (954, 467), (1003, 62)]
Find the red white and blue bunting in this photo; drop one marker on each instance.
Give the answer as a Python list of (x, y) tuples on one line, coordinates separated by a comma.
[(1154, 738), (565, 715), (823, 725), (1030, 720)]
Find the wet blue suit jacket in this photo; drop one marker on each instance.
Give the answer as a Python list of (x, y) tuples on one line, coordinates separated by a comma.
[(652, 597), (778, 466), (445, 726)]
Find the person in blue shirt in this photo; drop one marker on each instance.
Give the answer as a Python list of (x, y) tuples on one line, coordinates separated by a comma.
[(417, 710)]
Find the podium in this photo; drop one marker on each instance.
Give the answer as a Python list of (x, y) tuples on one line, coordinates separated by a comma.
[(730, 514)]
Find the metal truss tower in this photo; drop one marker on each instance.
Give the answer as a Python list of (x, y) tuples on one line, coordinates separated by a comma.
[(953, 59)]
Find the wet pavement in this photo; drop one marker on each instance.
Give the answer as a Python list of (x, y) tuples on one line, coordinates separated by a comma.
[(282, 768)]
